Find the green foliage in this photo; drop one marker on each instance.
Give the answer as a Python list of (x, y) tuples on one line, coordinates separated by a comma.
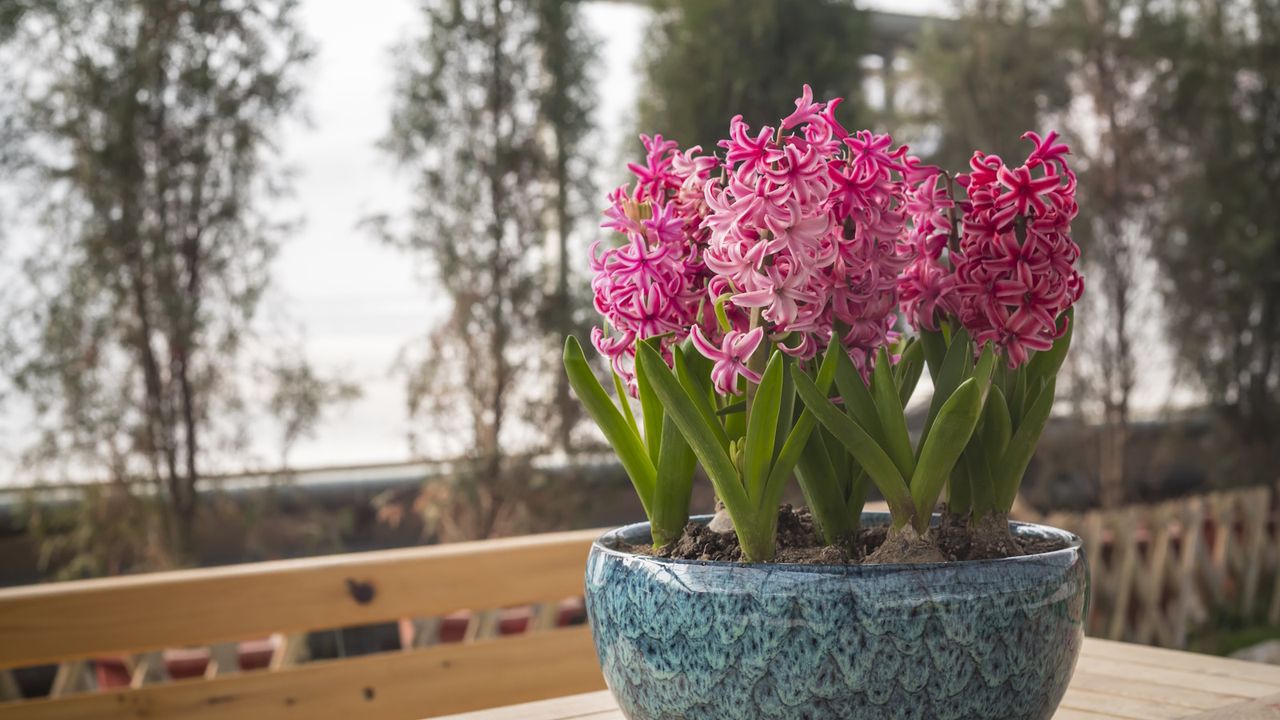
[(707, 60)]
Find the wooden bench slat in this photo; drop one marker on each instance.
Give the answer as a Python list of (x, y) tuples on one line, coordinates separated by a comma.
[(1073, 714), (1138, 672), (1262, 709), (437, 680), (590, 705), (1185, 697), (1121, 707), (1189, 662), (61, 621)]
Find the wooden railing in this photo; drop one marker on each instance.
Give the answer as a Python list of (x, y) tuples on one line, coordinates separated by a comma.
[(76, 622), (1161, 572)]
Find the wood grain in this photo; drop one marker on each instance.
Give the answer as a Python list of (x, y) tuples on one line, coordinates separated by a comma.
[(61, 621), (1113, 681), (438, 680)]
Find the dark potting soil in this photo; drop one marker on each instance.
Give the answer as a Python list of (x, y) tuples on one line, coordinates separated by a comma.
[(799, 543)]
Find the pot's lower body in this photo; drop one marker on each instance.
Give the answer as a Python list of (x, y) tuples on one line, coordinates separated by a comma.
[(714, 641)]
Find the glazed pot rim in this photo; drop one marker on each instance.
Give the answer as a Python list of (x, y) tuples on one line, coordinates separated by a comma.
[(604, 544)]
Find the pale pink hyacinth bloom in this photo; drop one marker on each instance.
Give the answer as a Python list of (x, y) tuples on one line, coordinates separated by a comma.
[(806, 230), (730, 357)]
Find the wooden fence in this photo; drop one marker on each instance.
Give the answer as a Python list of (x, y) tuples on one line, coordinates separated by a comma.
[(73, 623), (1161, 572)]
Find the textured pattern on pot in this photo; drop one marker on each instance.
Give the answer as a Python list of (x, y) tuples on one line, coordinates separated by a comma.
[(979, 640)]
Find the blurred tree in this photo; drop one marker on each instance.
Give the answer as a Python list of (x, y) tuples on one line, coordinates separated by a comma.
[(492, 112), (987, 77), (150, 127), (1093, 60), (566, 97), (1219, 226), (707, 60), (1108, 44)]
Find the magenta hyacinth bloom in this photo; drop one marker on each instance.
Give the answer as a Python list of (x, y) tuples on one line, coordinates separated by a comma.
[(1015, 265), (653, 284), (730, 357)]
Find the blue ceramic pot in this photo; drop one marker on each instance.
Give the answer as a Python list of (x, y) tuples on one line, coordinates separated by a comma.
[(692, 640)]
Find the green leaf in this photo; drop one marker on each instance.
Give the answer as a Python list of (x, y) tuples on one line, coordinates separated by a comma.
[(985, 367), (1018, 400), (1047, 363), (650, 410), (676, 463), (935, 351), (786, 410), (959, 491), (954, 369), (907, 372), (621, 435), (690, 372), (732, 408), (996, 425), (893, 422), (762, 428), (982, 487), (856, 397), (821, 490), (699, 434), (798, 438), (624, 399), (856, 501), (940, 451), (862, 446), (1012, 465)]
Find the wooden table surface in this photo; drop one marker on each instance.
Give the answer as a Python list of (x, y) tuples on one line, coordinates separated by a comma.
[(1112, 680)]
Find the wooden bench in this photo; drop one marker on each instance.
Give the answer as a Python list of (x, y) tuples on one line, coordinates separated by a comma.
[(140, 616)]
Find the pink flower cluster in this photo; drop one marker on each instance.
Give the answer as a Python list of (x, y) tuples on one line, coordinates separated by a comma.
[(1012, 272), (653, 285), (806, 229)]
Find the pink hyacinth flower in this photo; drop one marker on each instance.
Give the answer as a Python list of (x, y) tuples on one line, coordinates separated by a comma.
[(730, 357)]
